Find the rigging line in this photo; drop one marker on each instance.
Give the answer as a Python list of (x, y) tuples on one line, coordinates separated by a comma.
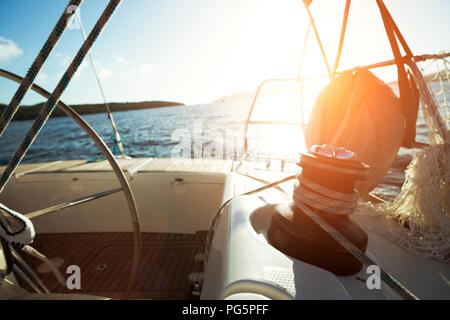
[(109, 156), (27, 279), (214, 221), (118, 141), (311, 19), (10, 285), (424, 57), (337, 236), (28, 269), (427, 98), (302, 57), (396, 30), (262, 181), (39, 61), (389, 28), (50, 105), (393, 34), (50, 264), (358, 254), (299, 75), (341, 39)]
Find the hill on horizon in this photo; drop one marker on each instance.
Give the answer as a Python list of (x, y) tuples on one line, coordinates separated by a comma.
[(30, 112)]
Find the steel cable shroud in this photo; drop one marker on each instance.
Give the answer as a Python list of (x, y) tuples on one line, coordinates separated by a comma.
[(28, 80), (50, 105)]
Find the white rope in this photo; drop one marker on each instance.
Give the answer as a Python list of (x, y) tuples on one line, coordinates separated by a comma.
[(325, 166), (420, 214), (12, 286), (324, 199), (320, 198), (351, 248), (29, 270), (358, 254), (27, 279), (28, 80), (323, 203), (328, 192), (118, 140), (33, 252)]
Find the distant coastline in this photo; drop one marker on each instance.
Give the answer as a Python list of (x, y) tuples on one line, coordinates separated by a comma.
[(30, 112)]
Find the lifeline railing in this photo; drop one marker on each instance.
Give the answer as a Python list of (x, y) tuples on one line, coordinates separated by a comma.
[(298, 79)]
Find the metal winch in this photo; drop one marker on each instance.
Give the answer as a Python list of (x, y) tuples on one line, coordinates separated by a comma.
[(326, 187)]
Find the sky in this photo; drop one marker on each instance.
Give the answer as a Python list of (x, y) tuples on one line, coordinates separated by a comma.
[(197, 51)]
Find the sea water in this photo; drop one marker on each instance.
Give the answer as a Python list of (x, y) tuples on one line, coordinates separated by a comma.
[(213, 130)]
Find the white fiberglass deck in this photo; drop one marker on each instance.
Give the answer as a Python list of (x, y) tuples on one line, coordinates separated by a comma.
[(180, 196)]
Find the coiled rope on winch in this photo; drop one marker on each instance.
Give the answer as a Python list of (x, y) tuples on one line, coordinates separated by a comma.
[(314, 199), (322, 198), (420, 214)]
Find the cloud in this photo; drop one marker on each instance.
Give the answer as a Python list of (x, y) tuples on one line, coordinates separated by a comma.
[(129, 72), (65, 61), (146, 68), (104, 70), (122, 74), (80, 70), (121, 60), (41, 77), (108, 70), (8, 49), (105, 73)]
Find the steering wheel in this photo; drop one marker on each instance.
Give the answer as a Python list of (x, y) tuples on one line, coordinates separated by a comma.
[(124, 185)]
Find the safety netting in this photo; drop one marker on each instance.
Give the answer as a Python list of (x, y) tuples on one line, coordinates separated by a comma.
[(419, 217)]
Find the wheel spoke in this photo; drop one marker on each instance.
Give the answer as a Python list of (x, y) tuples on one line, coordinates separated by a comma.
[(71, 203)]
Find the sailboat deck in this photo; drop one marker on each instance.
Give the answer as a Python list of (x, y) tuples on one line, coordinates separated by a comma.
[(134, 165), (105, 259)]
